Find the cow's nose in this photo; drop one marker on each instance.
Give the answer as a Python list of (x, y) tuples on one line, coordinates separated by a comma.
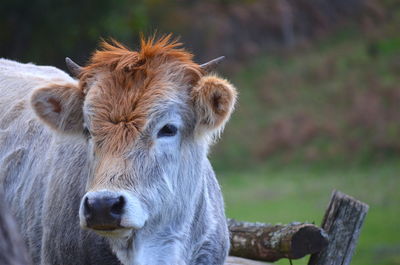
[(104, 213)]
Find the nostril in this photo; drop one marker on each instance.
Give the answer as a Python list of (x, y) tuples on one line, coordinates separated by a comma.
[(118, 206), (86, 206)]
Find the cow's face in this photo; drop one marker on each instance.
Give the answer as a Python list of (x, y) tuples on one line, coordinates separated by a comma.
[(146, 127)]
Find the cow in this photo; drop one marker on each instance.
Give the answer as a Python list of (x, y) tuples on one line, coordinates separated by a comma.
[(110, 166)]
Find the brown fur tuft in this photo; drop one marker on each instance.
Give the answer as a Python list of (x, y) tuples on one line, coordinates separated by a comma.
[(114, 56)]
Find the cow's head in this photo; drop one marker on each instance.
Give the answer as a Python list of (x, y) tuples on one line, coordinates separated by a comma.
[(147, 118)]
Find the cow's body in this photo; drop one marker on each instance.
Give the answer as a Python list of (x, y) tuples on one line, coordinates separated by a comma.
[(45, 174), (43, 177)]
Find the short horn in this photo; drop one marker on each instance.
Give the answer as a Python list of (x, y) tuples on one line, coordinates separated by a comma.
[(73, 67), (212, 64)]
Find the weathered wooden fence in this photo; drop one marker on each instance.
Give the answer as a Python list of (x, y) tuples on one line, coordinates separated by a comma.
[(332, 244)]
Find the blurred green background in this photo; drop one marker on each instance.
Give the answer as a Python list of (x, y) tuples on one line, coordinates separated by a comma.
[(319, 105)]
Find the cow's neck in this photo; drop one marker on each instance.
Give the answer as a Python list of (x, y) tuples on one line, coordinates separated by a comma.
[(164, 238)]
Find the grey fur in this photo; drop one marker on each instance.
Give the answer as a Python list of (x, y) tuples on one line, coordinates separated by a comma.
[(45, 174)]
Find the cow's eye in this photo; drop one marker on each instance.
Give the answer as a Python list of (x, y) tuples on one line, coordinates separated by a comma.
[(167, 131), (86, 133)]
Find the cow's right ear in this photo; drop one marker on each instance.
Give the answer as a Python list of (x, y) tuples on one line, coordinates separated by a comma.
[(60, 106)]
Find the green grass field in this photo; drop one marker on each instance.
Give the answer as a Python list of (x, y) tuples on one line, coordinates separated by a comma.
[(282, 194)]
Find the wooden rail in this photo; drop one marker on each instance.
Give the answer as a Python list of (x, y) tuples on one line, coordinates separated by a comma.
[(266, 242)]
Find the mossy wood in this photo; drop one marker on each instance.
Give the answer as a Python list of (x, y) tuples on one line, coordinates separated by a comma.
[(266, 242)]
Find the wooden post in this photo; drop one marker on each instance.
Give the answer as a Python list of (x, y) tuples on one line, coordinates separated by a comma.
[(266, 242), (342, 221), (12, 247)]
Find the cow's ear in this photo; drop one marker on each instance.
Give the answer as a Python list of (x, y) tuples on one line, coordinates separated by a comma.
[(60, 106), (214, 99)]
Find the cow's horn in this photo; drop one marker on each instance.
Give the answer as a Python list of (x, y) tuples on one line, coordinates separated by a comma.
[(73, 67), (211, 64)]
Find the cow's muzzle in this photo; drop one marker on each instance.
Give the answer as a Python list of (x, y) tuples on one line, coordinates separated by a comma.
[(103, 213), (107, 211)]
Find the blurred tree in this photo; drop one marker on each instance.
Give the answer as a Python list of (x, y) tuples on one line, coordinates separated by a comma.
[(45, 31)]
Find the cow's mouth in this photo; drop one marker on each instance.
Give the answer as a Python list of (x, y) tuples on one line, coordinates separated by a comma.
[(113, 232), (106, 228)]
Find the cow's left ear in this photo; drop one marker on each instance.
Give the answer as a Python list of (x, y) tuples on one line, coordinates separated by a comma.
[(60, 106), (214, 99)]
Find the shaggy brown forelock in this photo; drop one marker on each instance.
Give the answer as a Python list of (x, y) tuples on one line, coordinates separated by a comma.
[(153, 54)]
